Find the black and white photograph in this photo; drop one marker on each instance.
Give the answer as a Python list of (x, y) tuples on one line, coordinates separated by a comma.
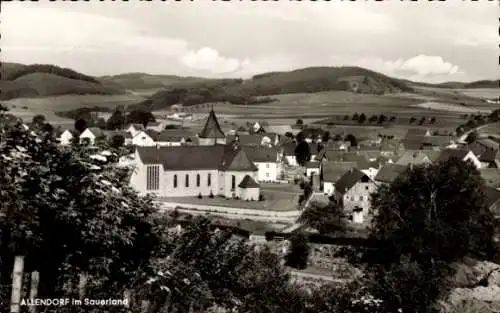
[(250, 156)]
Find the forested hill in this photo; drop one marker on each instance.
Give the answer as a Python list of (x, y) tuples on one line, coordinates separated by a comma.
[(19, 81), (250, 91)]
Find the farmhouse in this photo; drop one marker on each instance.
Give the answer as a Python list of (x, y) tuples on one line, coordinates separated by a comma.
[(133, 129), (66, 137), (89, 135), (462, 154), (142, 139), (268, 162), (192, 170), (418, 157), (353, 189), (331, 172), (388, 173), (289, 153)]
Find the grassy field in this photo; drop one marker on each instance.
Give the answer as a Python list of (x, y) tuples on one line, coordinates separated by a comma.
[(484, 93), (254, 227), (284, 199)]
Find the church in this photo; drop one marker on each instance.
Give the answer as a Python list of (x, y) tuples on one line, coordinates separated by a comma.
[(212, 167)]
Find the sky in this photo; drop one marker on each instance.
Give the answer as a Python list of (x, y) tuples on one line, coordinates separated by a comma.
[(426, 41)]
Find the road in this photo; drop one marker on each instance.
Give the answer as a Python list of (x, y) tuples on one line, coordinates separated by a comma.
[(462, 138)]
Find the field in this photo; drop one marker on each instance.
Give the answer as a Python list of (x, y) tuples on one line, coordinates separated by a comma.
[(26, 108), (281, 198), (483, 93)]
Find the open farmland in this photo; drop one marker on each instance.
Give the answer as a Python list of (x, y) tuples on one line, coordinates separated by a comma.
[(26, 108), (483, 93)]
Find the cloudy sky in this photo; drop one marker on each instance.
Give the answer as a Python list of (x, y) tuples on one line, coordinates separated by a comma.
[(425, 41)]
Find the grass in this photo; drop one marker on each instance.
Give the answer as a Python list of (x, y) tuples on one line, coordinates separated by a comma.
[(274, 200), (254, 227)]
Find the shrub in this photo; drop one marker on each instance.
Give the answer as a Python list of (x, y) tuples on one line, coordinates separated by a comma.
[(211, 195), (200, 196), (261, 197)]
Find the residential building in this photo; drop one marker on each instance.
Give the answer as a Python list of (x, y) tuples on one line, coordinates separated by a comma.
[(289, 153), (418, 157), (269, 162), (462, 154), (353, 189), (89, 135), (331, 172), (491, 177), (312, 168), (133, 129), (66, 137), (142, 139), (126, 136), (255, 139), (388, 173), (155, 126)]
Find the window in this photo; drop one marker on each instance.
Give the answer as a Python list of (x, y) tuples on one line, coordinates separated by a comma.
[(267, 174), (360, 198), (209, 179), (175, 181), (233, 182), (153, 177), (366, 187), (197, 180), (187, 180), (267, 165)]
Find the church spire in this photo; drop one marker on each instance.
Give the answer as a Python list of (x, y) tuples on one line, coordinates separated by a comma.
[(212, 128)]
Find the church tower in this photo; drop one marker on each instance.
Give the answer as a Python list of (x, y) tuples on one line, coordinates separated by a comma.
[(211, 133)]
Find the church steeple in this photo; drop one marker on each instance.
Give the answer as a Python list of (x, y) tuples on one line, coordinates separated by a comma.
[(212, 129)]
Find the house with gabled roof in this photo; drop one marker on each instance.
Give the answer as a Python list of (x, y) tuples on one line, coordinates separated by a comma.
[(331, 172), (418, 157), (133, 129), (143, 139), (462, 154), (353, 190), (66, 137), (90, 135), (269, 162), (389, 172), (255, 139), (181, 171)]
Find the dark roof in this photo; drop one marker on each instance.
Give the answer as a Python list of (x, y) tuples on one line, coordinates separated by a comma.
[(154, 124), (137, 126), (414, 142), (452, 153), (123, 133), (489, 156), (361, 160), (96, 131), (389, 172), (235, 159), (196, 157), (332, 171), (289, 148), (252, 139), (212, 128), (491, 144), (348, 180), (173, 135), (313, 148), (418, 157), (248, 182), (261, 154)]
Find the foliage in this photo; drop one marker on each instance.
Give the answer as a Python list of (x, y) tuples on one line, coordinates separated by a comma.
[(117, 141), (38, 120), (50, 69), (299, 122), (471, 137), (140, 117), (302, 153), (412, 120), (353, 141), (81, 125), (327, 219), (362, 118), (298, 254), (116, 120), (326, 137)]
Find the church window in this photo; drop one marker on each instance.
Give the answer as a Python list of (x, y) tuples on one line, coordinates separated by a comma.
[(175, 181), (197, 180), (187, 180), (209, 179), (233, 182), (153, 177)]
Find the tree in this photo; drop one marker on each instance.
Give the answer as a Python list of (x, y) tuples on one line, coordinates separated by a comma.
[(421, 121), (329, 219), (471, 137), (412, 120), (362, 118), (373, 118), (302, 153), (355, 116), (289, 135), (352, 140), (117, 141), (298, 254), (337, 137), (381, 119), (433, 120), (38, 120), (425, 219), (393, 119), (346, 117), (80, 125), (299, 122), (101, 123), (116, 120), (140, 117), (326, 137)]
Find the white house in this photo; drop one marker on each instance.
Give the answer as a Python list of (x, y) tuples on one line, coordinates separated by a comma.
[(133, 129), (90, 135), (66, 137), (354, 189), (462, 154), (142, 139), (312, 168), (192, 170), (267, 160)]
